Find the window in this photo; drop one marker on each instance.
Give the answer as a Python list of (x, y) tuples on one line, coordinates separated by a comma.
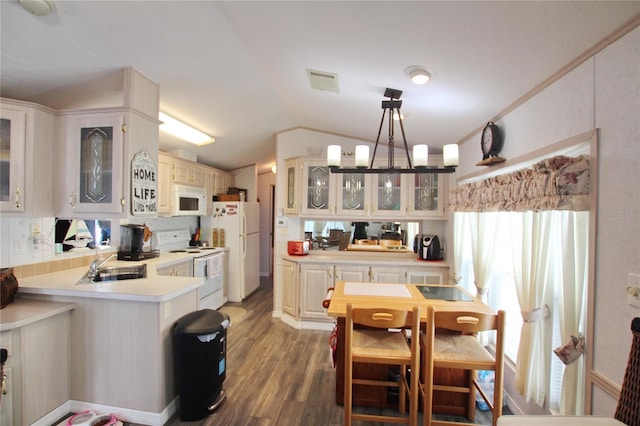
[(502, 293)]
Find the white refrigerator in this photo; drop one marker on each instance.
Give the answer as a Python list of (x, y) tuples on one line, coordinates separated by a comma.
[(241, 224)]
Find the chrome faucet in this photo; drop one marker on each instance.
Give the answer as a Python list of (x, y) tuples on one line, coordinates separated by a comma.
[(97, 264)]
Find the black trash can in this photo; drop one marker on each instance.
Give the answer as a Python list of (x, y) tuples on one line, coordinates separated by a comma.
[(199, 350)]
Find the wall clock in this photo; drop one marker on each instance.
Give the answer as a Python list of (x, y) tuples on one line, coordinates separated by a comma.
[(491, 144)]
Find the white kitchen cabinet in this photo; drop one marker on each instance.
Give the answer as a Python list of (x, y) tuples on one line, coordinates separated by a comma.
[(316, 280), (427, 194), (165, 177), (223, 181), (427, 276), (354, 195), (92, 148), (188, 173), (26, 156), (181, 269), (354, 273), (319, 187), (38, 367), (292, 175), (210, 188), (389, 196), (387, 274), (289, 287)]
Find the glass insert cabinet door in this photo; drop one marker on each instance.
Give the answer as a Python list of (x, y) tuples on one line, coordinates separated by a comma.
[(12, 154), (427, 198), (388, 192), (353, 193), (97, 150), (96, 164), (317, 188), (291, 168)]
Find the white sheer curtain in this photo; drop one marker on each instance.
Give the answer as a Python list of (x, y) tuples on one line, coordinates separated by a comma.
[(532, 250), (574, 245), (460, 233), (483, 230)]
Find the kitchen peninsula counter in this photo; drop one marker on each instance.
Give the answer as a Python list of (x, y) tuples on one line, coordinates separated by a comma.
[(121, 336), (387, 258), (153, 288)]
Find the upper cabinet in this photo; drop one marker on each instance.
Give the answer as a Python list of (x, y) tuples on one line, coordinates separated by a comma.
[(176, 170), (26, 151), (292, 175), (427, 195), (188, 173), (318, 189), (313, 191), (92, 150), (107, 158)]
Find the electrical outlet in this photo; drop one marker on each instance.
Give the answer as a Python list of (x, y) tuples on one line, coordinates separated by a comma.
[(633, 290), (19, 247), (35, 230)]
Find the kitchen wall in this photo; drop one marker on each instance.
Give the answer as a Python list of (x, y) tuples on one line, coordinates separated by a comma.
[(603, 92), (266, 183)]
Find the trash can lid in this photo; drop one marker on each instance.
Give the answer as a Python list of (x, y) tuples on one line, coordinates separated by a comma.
[(205, 321)]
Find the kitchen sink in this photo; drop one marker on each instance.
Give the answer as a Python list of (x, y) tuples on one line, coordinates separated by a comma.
[(116, 273)]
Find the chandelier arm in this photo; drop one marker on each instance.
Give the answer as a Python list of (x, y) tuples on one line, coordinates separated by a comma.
[(375, 148), (404, 139), (391, 143)]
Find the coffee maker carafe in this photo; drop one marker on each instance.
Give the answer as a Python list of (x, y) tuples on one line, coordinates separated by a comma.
[(131, 242)]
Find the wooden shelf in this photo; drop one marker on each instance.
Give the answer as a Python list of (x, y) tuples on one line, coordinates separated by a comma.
[(491, 161)]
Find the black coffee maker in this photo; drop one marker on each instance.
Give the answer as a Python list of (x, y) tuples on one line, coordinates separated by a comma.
[(131, 242)]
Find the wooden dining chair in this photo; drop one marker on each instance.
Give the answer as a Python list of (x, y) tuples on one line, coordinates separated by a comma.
[(375, 343), (461, 350)]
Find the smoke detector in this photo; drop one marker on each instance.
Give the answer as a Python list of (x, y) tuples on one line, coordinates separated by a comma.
[(37, 7)]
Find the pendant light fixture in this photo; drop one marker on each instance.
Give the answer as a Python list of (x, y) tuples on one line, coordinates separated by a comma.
[(420, 151)]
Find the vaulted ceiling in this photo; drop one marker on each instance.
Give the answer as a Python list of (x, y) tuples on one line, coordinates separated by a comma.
[(237, 69)]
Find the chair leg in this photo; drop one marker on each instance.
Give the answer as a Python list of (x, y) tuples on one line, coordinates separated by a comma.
[(471, 403), (428, 393), (402, 391), (348, 395)]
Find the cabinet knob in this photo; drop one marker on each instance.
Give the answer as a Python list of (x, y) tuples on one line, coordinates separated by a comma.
[(4, 384), (72, 200)]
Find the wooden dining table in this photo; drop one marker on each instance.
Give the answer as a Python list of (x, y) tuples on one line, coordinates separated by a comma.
[(399, 296)]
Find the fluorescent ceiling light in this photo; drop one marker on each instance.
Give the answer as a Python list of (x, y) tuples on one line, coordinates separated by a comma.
[(176, 128)]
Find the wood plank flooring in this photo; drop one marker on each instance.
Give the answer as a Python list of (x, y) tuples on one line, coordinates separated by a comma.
[(277, 375)]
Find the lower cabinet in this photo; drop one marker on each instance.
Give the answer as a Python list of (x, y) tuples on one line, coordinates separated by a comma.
[(37, 378), (289, 287), (315, 281), (182, 269), (305, 284)]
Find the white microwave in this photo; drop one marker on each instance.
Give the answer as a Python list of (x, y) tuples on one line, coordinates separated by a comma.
[(188, 201)]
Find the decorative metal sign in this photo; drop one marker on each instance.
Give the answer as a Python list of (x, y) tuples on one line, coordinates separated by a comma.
[(144, 185)]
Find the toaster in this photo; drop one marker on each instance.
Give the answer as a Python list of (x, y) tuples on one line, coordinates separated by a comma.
[(298, 247)]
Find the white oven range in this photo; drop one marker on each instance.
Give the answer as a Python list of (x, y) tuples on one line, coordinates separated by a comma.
[(208, 263)]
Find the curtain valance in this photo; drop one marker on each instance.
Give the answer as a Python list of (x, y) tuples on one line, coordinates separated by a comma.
[(557, 183)]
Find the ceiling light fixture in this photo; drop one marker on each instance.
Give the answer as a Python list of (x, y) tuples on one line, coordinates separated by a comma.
[(420, 152), (418, 74), (180, 130), (37, 7)]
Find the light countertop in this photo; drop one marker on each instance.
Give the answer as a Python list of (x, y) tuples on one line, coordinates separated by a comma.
[(23, 312), (366, 258), (154, 288)]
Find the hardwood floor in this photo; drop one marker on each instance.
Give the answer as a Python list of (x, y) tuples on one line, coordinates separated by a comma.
[(277, 375)]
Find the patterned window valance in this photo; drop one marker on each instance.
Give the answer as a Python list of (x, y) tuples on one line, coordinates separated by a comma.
[(557, 183)]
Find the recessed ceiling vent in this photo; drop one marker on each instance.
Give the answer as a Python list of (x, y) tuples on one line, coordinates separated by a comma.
[(321, 80)]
